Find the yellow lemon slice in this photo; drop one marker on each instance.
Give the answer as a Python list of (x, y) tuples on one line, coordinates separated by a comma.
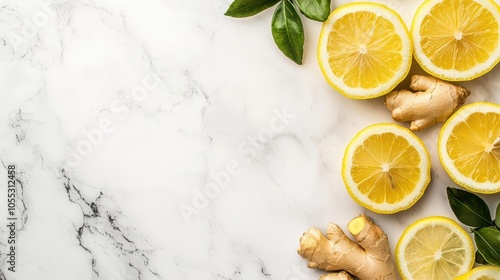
[(469, 147), (434, 248), (386, 168), (364, 50), (487, 272), (457, 40)]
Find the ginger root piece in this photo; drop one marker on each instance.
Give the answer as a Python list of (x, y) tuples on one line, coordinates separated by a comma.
[(337, 276), (434, 101), (368, 259)]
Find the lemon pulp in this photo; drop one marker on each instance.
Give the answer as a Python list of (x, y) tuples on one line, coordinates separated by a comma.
[(365, 59), (474, 147), (386, 168), (459, 39)]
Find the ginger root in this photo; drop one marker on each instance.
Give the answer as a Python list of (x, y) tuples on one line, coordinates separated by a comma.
[(337, 276), (368, 259), (434, 101)]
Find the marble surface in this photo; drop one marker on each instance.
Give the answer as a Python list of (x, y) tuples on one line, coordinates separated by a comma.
[(159, 139)]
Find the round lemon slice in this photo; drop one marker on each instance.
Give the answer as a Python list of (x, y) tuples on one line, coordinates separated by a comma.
[(364, 50), (469, 147), (487, 272), (457, 40), (386, 168), (434, 248)]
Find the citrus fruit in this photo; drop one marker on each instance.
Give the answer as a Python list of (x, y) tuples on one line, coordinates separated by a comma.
[(434, 248), (386, 168), (457, 40), (469, 147), (364, 50), (482, 273)]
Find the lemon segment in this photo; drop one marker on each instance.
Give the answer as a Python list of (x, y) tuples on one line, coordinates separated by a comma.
[(386, 168), (364, 50), (457, 40), (469, 147), (434, 248)]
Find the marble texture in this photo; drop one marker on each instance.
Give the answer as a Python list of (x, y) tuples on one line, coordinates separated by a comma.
[(159, 139)]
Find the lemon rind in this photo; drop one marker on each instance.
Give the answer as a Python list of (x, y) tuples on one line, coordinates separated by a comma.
[(489, 270)]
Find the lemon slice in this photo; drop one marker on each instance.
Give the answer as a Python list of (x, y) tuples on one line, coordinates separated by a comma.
[(482, 273), (469, 147), (364, 50), (386, 168), (434, 248), (457, 40)]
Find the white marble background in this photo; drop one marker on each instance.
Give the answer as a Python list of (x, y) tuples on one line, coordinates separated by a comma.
[(119, 115)]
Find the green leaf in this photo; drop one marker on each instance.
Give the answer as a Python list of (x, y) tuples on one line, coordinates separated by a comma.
[(469, 208), (488, 244), (315, 9), (247, 8), (288, 32), (479, 259), (497, 217)]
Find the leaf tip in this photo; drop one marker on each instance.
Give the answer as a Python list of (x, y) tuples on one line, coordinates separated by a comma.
[(229, 13)]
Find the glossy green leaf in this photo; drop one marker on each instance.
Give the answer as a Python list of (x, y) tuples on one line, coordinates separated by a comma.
[(247, 8), (488, 244), (469, 208), (315, 9), (497, 217), (479, 259), (288, 32)]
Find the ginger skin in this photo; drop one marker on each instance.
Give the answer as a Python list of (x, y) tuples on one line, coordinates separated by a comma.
[(337, 276), (434, 101), (368, 259)]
